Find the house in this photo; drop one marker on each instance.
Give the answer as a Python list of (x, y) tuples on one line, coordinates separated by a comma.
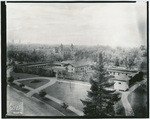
[(70, 68), (77, 66), (121, 83), (124, 82)]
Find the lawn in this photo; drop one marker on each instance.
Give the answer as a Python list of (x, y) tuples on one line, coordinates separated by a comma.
[(22, 75), (34, 84), (70, 94), (138, 101), (57, 106)]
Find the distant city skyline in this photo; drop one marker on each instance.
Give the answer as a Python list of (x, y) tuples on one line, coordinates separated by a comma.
[(91, 24)]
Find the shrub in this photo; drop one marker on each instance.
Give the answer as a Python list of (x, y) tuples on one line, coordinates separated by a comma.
[(15, 70), (64, 105), (42, 93), (35, 81), (10, 79), (119, 109), (21, 85)]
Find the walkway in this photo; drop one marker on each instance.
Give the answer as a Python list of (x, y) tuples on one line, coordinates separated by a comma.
[(31, 106), (124, 98), (32, 91), (52, 81)]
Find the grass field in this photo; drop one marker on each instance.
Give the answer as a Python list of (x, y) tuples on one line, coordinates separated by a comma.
[(69, 93), (138, 101), (22, 75), (34, 85)]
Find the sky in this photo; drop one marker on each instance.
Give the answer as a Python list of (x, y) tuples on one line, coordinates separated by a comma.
[(113, 24)]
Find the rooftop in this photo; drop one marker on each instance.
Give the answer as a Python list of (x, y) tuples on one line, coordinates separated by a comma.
[(78, 63), (121, 78)]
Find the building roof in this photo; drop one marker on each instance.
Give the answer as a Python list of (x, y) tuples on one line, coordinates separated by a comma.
[(58, 68), (119, 70), (78, 63), (123, 78), (38, 65)]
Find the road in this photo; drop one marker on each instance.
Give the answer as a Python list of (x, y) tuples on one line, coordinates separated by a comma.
[(31, 107), (125, 102)]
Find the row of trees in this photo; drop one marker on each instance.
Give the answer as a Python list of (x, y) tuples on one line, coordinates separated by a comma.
[(32, 56), (34, 70)]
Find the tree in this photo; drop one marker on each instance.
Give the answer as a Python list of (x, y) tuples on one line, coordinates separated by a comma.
[(117, 62), (10, 79), (42, 93), (101, 99), (21, 85), (67, 56), (131, 63)]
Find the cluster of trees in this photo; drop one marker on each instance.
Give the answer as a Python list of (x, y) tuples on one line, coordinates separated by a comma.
[(24, 56), (31, 55), (125, 57), (34, 70)]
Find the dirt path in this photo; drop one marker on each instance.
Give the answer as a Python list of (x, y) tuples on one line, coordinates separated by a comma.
[(124, 98)]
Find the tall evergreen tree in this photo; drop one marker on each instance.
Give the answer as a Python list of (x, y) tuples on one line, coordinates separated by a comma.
[(100, 101)]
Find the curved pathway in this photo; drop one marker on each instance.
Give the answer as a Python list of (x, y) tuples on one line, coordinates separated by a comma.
[(31, 106), (124, 98), (51, 82)]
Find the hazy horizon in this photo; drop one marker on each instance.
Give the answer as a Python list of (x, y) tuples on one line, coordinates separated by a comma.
[(87, 24)]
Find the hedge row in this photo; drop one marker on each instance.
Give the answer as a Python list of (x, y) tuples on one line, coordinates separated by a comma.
[(34, 70)]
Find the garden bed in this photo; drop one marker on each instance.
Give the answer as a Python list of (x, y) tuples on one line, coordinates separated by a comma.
[(34, 83)]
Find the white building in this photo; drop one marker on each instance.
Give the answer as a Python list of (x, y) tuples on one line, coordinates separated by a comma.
[(121, 83), (71, 68)]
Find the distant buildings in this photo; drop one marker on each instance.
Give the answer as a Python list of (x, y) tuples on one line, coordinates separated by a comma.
[(61, 50), (122, 77), (78, 66), (123, 82)]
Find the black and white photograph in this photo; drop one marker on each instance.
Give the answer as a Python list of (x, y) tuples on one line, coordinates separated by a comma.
[(77, 59)]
